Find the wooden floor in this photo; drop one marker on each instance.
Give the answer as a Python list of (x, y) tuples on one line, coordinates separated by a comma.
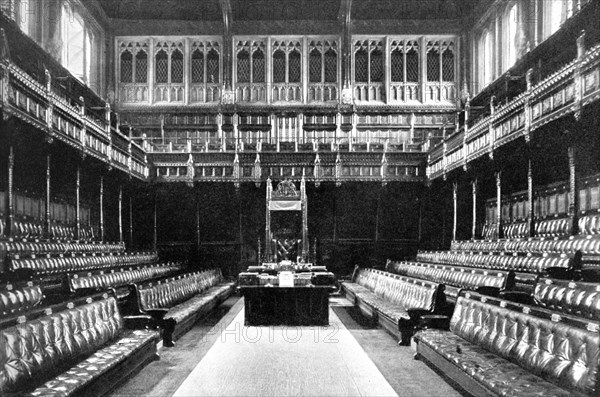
[(226, 358)]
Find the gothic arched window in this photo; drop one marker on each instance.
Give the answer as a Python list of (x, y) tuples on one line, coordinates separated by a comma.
[(294, 67), (197, 67), (361, 66), (397, 64), (279, 66), (141, 67), (330, 66), (212, 66), (433, 64), (412, 65), (243, 67), (511, 37), (377, 65), (486, 60), (314, 66), (126, 67), (258, 66), (162, 67), (176, 67), (448, 65)]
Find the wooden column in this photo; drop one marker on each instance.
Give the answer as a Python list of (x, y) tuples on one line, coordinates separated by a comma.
[(377, 211), (268, 251), (10, 201), (130, 221), (197, 226), (474, 224), (573, 210), (454, 209), (499, 231), (121, 214), (102, 208), (47, 231), (531, 215), (155, 234), (77, 203)]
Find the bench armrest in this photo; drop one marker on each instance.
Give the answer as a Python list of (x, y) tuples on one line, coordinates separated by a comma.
[(517, 296), (490, 291), (416, 314), (434, 321), (142, 321), (158, 313)]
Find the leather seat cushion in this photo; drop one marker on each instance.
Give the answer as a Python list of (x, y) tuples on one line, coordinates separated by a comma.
[(496, 373), (190, 307), (354, 288), (97, 364), (392, 310)]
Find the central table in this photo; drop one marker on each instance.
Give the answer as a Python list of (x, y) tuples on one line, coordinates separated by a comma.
[(275, 305)]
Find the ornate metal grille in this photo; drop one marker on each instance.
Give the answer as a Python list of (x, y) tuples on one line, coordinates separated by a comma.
[(126, 67), (162, 67), (448, 65), (258, 66), (212, 66), (294, 67), (397, 61), (314, 66), (330, 66), (243, 67), (176, 67), (197, 67), (361, 66), (376, 65), (412, 65), (279, 67), (141, 67)]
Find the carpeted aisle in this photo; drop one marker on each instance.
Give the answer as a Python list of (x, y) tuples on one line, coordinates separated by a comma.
[(285, 361)]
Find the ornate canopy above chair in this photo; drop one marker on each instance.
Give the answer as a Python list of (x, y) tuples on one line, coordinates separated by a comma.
[(284, 245)]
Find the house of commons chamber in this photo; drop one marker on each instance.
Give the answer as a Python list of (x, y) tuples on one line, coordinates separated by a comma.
[(299, 198)]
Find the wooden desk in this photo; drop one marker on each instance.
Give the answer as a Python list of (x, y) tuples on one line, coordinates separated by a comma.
[(286, 305)]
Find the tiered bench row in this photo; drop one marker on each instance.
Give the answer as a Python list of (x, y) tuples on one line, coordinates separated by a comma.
[(103, 318), (495, 347)]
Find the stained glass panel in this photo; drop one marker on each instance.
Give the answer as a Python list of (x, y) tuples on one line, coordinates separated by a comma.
[(258, 66), (294, 67), (141, 67), (212, 66), (376, 66), (361, 66), (330, 66), (279, 67), (197, 67), (162, 67), (176, 67), (397, 65), (126, 67), (243, 67), (314, 66)]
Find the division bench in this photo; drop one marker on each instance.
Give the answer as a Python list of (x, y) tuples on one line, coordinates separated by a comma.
[(499, 348), (395, 302), (176, 303), (77, 348)]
